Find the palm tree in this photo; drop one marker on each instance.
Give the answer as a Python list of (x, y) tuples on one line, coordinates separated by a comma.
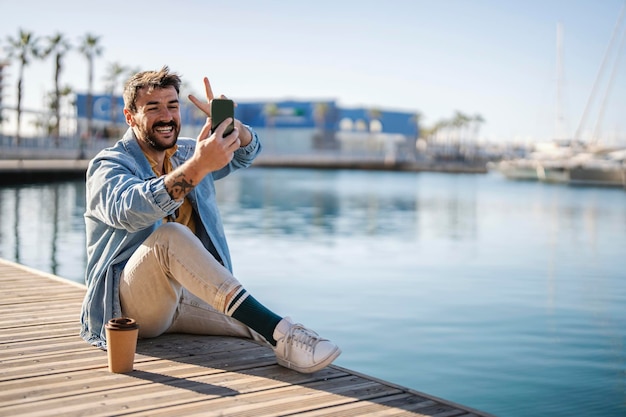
[(459, 122), (45, 121), (434, 133), (477, 120), (90, 48), (24, 47), (114, 71), (474, 123), (3, 64), (58, 46), (441, 136)]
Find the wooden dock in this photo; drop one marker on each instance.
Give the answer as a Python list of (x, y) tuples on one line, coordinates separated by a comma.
[(15, 171), (46, 369)]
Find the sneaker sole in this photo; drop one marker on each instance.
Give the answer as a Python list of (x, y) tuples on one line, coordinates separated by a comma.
[(317, 367)]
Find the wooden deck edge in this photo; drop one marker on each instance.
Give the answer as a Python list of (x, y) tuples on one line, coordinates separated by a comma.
[(414, 392), (42, 273), (466, 411)]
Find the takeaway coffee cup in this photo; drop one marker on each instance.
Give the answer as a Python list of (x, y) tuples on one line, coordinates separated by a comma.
[(121, 344)]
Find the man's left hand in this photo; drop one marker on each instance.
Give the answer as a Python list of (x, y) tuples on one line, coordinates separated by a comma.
[(245, 136)]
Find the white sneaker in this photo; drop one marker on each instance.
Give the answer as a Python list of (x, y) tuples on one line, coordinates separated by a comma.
[(301, 349)]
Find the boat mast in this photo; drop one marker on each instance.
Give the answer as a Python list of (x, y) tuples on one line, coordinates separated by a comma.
[(596, 130), (560, 119), (594, 89)]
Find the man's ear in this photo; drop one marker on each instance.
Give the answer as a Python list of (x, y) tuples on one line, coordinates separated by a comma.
[(130, 121)]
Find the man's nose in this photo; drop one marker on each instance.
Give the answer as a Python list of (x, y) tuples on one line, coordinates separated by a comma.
[(166, 115)]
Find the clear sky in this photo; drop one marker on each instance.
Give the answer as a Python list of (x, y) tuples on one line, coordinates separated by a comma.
[(496, 58)]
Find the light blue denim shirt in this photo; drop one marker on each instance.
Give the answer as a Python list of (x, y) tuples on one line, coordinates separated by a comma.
[(126, 202)]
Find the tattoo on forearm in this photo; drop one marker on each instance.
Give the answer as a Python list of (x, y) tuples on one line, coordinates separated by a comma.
[(179, 188)]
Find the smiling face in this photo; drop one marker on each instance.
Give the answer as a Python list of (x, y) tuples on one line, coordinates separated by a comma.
[(156, 120)]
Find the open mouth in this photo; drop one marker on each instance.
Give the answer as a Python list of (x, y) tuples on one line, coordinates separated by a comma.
[(164, 129)]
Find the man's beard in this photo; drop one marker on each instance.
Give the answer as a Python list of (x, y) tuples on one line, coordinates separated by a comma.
[(153, 142)]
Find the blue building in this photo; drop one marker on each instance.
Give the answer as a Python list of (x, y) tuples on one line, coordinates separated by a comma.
[(287, 126)]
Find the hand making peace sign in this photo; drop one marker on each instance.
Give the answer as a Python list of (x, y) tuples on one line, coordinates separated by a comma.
[(245, 135)]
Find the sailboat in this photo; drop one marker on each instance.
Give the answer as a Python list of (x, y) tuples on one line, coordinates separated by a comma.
[(573, 161), (607, 169), (547, 161), (600, 165)]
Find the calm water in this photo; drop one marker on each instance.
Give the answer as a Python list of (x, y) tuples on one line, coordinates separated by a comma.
[(509, 297)]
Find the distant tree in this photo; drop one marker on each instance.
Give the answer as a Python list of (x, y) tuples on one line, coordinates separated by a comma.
[(58, 46), (115, 70), (477, 121), (460, 121), (439, 129), (130, 71), (44, 121), (3, 64), (24, 48), (90, 48), (439, 135)]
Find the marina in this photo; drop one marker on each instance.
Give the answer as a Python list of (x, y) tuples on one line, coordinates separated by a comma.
[(46, 369), (505, 296), (574, 165)]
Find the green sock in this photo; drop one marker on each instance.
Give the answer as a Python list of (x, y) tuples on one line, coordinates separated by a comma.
[(254, 315)]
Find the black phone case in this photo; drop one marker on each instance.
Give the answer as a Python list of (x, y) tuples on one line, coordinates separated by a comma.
[(222, 109)]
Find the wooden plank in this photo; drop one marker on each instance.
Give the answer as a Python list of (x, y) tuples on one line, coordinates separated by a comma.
[(38, 332), (42, 308), (36, 348), (46, 369)]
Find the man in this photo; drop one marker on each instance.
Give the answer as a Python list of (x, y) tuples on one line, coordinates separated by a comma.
[(155, 242)]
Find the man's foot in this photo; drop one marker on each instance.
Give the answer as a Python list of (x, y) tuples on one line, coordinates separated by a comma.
[(301, 349)]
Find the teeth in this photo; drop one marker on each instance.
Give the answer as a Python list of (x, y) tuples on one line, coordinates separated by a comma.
[(164, 129)]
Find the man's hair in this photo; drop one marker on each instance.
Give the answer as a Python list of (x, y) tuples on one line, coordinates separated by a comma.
[(150, 80)]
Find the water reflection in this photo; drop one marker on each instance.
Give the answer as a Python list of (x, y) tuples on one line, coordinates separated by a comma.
[(305, 203), (448, 208), (521, 224), (42, 227)]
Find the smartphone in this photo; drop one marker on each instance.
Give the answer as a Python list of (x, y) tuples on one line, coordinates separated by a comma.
[(222, 109)]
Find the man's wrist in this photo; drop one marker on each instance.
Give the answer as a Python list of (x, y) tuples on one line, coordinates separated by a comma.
[(245, 136)]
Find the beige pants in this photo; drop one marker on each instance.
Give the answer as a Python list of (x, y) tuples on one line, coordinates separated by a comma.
[(172, 284)]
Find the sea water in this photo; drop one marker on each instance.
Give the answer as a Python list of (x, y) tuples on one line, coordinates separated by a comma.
[(509, 297)]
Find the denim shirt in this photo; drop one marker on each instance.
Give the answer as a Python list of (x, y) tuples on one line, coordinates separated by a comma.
[(126, 202)]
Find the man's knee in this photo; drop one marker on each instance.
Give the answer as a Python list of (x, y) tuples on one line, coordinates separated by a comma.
[(173, 228), (172, 231)]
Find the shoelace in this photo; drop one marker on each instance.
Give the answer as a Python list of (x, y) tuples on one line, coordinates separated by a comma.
[(302, 337)]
